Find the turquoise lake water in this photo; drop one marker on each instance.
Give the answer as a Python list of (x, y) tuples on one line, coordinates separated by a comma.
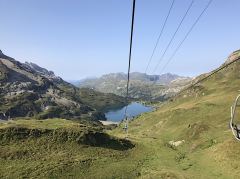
[(134, 109)]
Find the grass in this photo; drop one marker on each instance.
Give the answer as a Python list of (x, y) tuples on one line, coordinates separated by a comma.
[(40, 124), (56, 148)]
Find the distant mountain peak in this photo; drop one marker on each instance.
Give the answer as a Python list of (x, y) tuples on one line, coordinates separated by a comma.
[(2, 55)]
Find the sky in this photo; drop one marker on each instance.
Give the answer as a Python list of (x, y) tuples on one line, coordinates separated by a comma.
[(87, 38)]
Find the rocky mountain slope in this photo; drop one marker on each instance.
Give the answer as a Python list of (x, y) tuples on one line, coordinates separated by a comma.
[(142, 86), (27, 90)]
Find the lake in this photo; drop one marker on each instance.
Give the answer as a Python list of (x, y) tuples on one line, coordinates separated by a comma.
[(134, 109)]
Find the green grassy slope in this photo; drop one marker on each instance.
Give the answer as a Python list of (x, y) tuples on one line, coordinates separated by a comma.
[(56, 148), (200, 117)]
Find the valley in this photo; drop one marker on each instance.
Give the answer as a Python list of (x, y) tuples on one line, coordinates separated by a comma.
[(187, 136)]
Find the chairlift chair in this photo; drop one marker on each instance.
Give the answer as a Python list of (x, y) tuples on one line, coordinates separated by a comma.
[(235, 127), (125, 128)]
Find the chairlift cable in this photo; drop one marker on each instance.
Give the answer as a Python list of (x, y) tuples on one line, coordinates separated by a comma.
[(129, 63), (172, 38), (159, 36), (186, 36)]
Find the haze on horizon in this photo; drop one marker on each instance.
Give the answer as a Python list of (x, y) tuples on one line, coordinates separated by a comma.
[(89, 38)]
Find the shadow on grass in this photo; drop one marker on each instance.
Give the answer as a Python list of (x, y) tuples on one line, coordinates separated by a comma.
[(104, 140), (62, 135)]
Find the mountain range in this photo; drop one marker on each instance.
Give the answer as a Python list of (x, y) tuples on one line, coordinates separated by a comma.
[(142, 86)]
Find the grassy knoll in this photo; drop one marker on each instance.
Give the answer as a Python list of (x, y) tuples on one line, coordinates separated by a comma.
[(56, 148)]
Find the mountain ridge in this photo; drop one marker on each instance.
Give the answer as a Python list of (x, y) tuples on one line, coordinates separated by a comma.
[(28, 90), (142, 86)]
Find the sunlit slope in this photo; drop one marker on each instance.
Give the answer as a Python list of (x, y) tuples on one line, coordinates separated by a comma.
[(199, 116)]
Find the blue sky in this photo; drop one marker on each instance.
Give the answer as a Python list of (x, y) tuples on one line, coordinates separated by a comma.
[(86, 38)]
